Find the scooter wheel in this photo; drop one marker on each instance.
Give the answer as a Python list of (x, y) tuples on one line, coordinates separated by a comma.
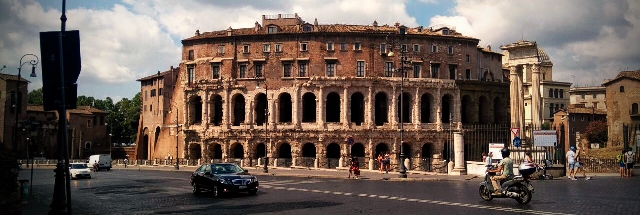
[(484, 193)]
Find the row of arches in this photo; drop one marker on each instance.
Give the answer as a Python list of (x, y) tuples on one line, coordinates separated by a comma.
[(284, 150), (484, 111), (427, 108)]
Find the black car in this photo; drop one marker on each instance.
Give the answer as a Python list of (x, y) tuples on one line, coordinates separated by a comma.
[(222, 178)]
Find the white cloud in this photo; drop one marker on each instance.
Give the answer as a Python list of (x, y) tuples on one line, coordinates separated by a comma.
[(598, 38)]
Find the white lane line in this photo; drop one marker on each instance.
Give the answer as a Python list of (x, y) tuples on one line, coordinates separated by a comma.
[(456, 204)]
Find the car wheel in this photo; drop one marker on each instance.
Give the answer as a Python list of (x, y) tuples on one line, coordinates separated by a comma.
[(215, 191), (253, 192), (196, 188)]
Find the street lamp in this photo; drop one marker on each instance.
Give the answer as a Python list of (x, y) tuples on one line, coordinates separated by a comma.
[(403, 61), (177, 167), (265, 169), (18, 94)]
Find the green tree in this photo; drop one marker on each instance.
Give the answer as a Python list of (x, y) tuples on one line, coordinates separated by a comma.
[(35, 97), (596, 132)]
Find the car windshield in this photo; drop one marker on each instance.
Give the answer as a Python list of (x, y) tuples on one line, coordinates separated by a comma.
[(78, 166), (226, 169)]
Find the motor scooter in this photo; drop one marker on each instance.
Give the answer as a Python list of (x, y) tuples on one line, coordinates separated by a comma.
[(518, 187), (544, 175)]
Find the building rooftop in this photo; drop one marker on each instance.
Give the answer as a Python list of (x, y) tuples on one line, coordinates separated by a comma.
[(633, 75), (8, 77), (159, 74), (78, 110)]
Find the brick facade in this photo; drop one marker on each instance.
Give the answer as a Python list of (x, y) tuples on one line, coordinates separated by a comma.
[(322, 84)]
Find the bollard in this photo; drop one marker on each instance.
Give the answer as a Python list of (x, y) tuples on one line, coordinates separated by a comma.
[(24, 189)]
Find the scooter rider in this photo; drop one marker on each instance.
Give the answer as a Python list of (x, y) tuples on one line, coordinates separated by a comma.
[(506, 167)]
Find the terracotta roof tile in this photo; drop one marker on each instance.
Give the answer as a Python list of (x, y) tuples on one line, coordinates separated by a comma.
[(8, 77), (634, 75), (156, 75)]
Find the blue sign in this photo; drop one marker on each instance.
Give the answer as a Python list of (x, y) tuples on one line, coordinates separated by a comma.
[(350, 140), (517, 142)]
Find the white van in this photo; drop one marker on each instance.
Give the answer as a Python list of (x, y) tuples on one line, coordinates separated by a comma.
[(103, 160)]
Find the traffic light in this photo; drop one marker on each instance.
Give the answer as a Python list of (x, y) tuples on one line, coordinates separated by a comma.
[(51, 83)]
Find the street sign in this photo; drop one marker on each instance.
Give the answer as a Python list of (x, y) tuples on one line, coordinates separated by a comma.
[(515, 131), (350, 140), (545, 138), (517, 142)]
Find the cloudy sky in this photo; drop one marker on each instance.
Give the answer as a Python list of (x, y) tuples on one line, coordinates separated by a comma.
[(123, 40)]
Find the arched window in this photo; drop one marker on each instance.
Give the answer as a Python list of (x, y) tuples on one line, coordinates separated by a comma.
[(87, 145), (622, 89)]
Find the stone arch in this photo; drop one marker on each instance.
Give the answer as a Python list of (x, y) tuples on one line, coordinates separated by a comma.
[(215, 110), (406, 149), (333, 150), (427, 150), (484, 113), (426, 107), (195, 110), (260, 109), (215, 151), (261, 151), (381, 109), (284, 150), (237, 151), (498, 111), (381, 148), (446, 108), (308, 150), (404, 107), (309, 107), (465, 109), (357, 150), (195, 151), (238, 109), (332, 107), (357, 108), (285, 109)]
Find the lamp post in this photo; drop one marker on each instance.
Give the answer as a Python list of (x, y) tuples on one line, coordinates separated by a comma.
[(177, 166), (265, 169), (403, 61), (18, 94)]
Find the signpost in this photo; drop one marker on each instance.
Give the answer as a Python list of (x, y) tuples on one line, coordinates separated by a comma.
[(517, 142), (545, 138)]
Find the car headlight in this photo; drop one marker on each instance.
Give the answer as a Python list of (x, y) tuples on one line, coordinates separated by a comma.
[(225, 181), (253, 180)]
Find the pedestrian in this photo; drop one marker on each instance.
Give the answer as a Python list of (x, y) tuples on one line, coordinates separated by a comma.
[(380, 164), (387, 162), (579, 165), (354, 168), (489, 159), (621, 163), (630, 160), (484, 156), (527, 157), (571, 160), (126, 161)]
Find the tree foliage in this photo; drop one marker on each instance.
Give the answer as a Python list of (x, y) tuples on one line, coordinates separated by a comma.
[(596, 132), (122, 118)]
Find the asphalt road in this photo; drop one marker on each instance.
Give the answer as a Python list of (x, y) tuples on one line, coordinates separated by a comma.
[(166, 192)]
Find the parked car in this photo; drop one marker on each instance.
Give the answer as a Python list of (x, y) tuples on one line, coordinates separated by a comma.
[(79, 170), (103, 160), (221, 178)]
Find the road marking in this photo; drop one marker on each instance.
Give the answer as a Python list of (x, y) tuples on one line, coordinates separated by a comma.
[(456, 204)]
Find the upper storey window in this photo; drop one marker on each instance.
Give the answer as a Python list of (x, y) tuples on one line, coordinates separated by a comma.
[(215, 71), (434, 48), (191, 74), (302, 69), (403, 47), (329, 46), (266, 48), (450, 50), (416, 47), (191, 55), (383, 48), (221, 49), (622, 89), (304, 46), (245, 48), (258, 70), (331, 69), (388, 69), (243, 70), (343, 47), (278, 47), (272, 29), (286, 66), (468, 58), (445, 31), (307, 28), (360, 68), (357, 46)]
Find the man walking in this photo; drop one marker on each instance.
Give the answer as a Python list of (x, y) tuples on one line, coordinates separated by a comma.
[(630, 160), (571, 160)]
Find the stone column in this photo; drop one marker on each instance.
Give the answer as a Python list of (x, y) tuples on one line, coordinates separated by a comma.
[(458, 148), (205, 109), (371, 154), (516, 102), (320, 108), (415, 113), (535, 96), (370, 109), (250, 115), (394, 113), (297, 112), (345, 110), (226, 110), (273, 110)]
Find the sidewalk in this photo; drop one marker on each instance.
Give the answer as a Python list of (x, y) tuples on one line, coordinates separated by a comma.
[(340, 173)]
